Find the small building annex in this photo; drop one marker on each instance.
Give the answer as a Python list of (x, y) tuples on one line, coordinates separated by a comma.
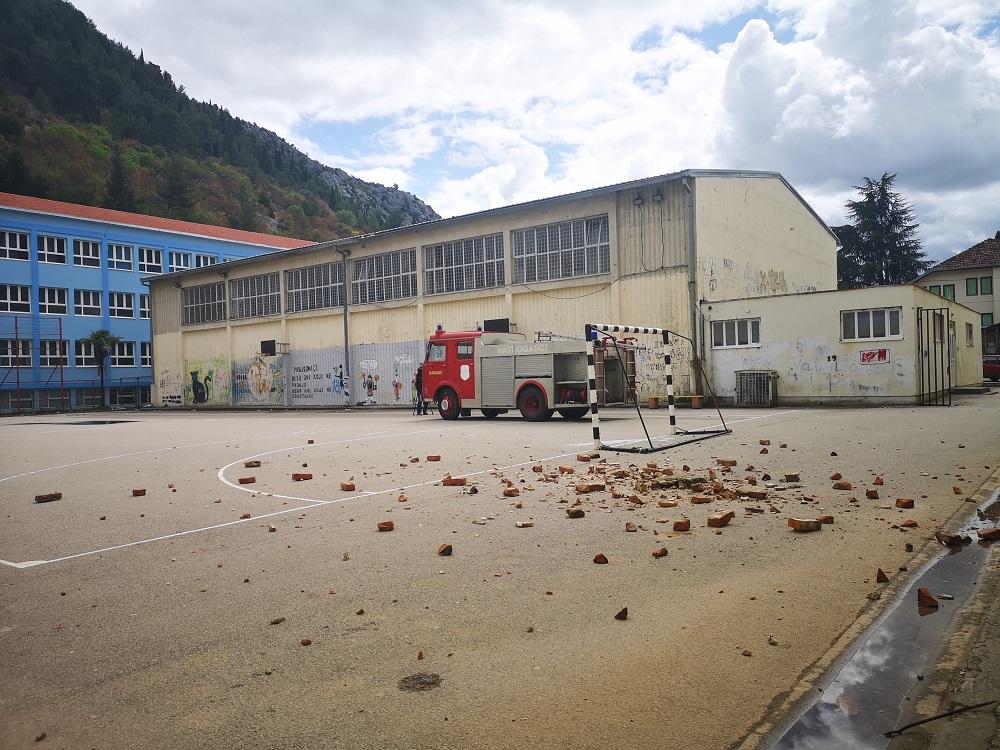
[(352, 316)]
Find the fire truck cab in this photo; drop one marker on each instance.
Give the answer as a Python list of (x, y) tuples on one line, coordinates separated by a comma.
[(499, 372)]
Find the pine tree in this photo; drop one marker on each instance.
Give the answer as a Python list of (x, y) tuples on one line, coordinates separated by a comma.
[(178, 190), (121, 193), (880, 246)]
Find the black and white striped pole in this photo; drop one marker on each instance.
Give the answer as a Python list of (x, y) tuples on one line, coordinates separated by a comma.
[(669, 369), (595, 418)]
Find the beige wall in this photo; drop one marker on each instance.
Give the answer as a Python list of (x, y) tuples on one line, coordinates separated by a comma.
[(756, 238), (801, 341), (647, 283), (981, 303)]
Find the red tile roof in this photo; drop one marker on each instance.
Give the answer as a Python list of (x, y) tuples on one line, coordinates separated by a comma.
[(92, 213), (980, 255)]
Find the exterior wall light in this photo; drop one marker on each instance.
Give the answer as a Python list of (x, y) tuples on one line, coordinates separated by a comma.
[(657, 197), (637, 201)]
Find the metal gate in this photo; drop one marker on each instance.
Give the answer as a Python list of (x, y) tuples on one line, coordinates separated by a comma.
[(934, 356)]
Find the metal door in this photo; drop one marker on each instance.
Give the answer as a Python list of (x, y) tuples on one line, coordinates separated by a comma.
[(934, 356)]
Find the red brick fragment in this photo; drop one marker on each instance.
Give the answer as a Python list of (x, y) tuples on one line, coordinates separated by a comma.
[(792, 477), (909, 523), (630, 527), (301, 477), (244, 515), (347, 487), (904, 502), (583, 457), (835, 476), (881, 577), (989, 535), (763, 450), (538, 468), (563, 469), (247, 480), (434, 458), (141, 492), (825, 519), (683, 525), (871, 494), (718, 520), (450, 481), (251, 464), (661, 552), (623, 614), (804, 524), (925, 599), (575, 513), (843, 486), (726, 461), (445, 550), (511, 492), (755, 494), (305, 642), (764, 442), (957, 490), (700, 499), (878, 481), (386, 526), (600, 559)]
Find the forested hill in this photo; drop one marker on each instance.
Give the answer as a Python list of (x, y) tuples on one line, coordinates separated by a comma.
[(82, 119)]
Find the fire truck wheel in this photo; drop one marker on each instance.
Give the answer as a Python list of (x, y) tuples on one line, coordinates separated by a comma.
[(448, 406), (578, 413), (531, 402), (492, 413)]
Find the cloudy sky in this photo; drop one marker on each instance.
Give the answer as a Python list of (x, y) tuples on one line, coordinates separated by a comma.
[(478, 104)]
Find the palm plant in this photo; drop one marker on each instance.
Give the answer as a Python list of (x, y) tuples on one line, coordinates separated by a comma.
[(104, 342)]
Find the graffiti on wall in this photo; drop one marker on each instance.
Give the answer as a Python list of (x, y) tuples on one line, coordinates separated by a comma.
[(208, 381), (170, 389), (259, 381)]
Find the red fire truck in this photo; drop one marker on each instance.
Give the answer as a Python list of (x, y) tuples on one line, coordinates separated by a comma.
[(498, 372)]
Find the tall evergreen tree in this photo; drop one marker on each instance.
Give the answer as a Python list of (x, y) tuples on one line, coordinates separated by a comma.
[(880, 246), (121, 193), (178, 192)]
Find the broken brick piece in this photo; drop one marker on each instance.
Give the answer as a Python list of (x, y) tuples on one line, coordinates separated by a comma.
[(904, 502), (138, 492), (755, 494), (247, 480), (843, 486), (957, 490), (450, 481), (792, 477), (909, 523), (347, 486), (718, 520), (623, 614), (50, 497), (667, 503), (682, 525), (523, 524), (881, 577), (563, 469), (584, 488), (251, 464), (989, 535), (445, 550), (661, 552), (575, 513), (600, 559), (511, 492), (700, 499), (835, 476), (763, 450), (726, 461), (434, 458), (386, 526), (301, 477), (583, 457), (871, 494), (825, 519), (804, 524), (764, 442), (538, 468), (244, 515), (926, 599), (630, 527), (878, 481)]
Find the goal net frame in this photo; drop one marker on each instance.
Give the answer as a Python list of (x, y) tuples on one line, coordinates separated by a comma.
[(591, 331)]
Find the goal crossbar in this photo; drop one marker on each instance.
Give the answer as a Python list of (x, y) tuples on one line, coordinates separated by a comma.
[(591, 331)]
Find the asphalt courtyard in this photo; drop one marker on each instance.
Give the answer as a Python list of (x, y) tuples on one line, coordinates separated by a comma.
[(274, 614)]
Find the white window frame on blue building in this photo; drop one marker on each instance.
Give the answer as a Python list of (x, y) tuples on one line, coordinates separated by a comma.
[(53, 353), (145, 354), (150, 259), (121, 304), (123, 354), (15, 298), (14, 245), (51, 249), (203, 261), (180, 260), (144, 306), (120, 256), (84, 354), (52, 301), (13, 349), (87, 253), (87, 302)]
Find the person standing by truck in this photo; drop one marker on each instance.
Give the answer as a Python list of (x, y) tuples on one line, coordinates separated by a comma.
[(418, 384)]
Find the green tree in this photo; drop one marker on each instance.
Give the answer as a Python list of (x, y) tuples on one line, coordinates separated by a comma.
[(104, 343), (121, 193), (880, 246), (178, 191)]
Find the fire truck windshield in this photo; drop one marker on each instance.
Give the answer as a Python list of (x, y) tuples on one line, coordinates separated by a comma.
[(436, 353)]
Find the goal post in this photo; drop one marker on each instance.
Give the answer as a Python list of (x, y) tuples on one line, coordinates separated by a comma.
[(591, 331)]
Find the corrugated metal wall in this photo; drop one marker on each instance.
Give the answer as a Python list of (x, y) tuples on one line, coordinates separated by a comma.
[(653, 235)]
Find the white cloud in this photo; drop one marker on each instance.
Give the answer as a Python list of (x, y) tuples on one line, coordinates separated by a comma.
[(493, 102)]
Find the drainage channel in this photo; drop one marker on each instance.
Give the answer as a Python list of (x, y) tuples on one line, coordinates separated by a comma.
[(866, 693)]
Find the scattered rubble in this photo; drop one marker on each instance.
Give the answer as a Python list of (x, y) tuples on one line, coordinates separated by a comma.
[(247, 480), (347, 487), (139, 492), (843, 486), (871, 494), (718, 520), (881, 577), (450, 481), (386, 526), (623, 614), (925, 599), (904, 502), (600, 559), (804, 524), (445, 550), (575, 512), (630, 527), (682, 525), (661, 552), (50, 497), (301, 477), (251, 464)]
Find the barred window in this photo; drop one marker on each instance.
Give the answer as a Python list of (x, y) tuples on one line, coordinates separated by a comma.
[(123, 355), (120, 257), (205, 303), (87, 253), (201, 261), (85, 356), (254, 296), (150, 260), (179, 261), (51, 353), (15, 298), (51, 301), (314, 287), (14, 245), (144, 306), (145, 354), (15, 353), (121, 304), (87, 302), (383, 277), (561, 251), (473, 263), (51, 249)]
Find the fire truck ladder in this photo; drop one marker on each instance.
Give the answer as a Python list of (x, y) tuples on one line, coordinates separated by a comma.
[(692, 436)]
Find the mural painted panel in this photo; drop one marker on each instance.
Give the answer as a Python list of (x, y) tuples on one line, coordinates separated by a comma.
[(259, 381), (316, 377), (385, 372), (209, 382)]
